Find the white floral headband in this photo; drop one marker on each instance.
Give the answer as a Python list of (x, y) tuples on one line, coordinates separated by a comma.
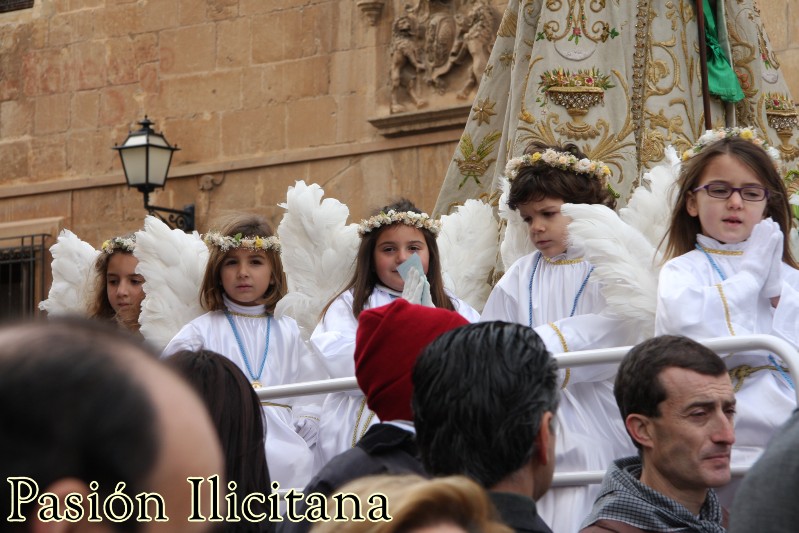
[(561, 160), (226, 242), (409, 218), (747, 134), (564, 161), (116, 244)]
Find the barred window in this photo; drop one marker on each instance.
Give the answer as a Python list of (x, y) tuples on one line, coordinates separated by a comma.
[(21, 275), (14, 5)]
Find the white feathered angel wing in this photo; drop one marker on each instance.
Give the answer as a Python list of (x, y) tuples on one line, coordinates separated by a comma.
[(625, 262), (172, 263), (72, 288), (649, 209), (318, 252), (516, 238), (468, 243)]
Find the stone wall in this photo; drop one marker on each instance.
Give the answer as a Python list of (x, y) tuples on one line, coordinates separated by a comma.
[(257, 94)]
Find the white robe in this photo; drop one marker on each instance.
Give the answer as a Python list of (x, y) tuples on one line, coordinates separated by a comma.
[(289, 458), (690, 304), (591, 433), (345, 416)]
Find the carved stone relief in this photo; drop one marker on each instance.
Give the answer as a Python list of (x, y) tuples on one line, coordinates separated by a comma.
[(439, 52)]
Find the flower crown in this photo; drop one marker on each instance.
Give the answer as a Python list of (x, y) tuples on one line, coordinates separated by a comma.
[(226, 242), (116, 244), (747, 134), (561, 160), (409, 218)]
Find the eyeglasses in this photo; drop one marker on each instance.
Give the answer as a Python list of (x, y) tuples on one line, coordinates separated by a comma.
[(722, 191)]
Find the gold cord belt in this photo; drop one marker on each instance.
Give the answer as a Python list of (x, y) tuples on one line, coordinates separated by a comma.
[(369, 418), (743, 371), (273, 404)]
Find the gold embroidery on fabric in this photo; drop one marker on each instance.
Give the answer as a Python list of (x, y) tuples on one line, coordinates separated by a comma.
[(245, 315), (769, 58), (578, 92), (507, 28), (369, 418), (474, 164), (560, 337), (781, 115), (723, 252), (563, 261), (483, 111), (566, 378), (273, 404), (524, 114), (639, 70), (726, 309), (742, 372), (664, 75), (366, 424), (608, 149), (565, 349), (576, 26)]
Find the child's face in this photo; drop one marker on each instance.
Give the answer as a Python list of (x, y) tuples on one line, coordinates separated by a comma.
[(246, 276), (730, 220), (125, 288), (394, 246), (547, 226)]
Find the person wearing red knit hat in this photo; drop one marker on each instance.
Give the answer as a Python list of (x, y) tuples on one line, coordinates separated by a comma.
[(387, 343)]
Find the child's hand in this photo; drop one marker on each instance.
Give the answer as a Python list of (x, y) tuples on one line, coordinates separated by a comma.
[(417, 289), (307, 428), (773, 285), (763, 250)]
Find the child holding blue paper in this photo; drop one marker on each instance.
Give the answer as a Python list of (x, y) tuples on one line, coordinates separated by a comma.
[(397, 233)]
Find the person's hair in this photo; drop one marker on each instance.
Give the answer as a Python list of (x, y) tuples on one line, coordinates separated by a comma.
[(415, 502), (248, 225), (683, 228), (100, 306), (535, 183), (475, 383), (71, 409), (365, 278), (238, 417), (638, 388)]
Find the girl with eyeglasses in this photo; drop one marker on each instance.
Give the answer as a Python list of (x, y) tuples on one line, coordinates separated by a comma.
[(729, 271)]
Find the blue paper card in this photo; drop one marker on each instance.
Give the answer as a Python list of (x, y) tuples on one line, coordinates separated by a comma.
[(412, 262)]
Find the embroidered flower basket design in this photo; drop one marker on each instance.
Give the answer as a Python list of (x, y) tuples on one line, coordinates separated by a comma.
[(782, 116)]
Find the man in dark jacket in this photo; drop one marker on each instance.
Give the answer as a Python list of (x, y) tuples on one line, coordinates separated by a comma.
[(484, 401), (678, 405)]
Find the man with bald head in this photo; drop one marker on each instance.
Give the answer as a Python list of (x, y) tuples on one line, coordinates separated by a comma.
[(88, 412)]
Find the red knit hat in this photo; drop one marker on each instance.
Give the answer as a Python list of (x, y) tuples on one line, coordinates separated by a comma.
[(387, 343)]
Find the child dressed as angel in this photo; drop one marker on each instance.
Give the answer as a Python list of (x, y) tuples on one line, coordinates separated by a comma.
[(551, 291)]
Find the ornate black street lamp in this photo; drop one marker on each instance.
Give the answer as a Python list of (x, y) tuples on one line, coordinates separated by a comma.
[(146, 156)]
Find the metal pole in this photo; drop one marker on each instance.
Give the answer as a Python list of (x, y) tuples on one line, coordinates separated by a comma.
[(700, 22)]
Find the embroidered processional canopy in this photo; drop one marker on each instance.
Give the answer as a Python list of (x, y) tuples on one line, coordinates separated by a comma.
[(621, 80)]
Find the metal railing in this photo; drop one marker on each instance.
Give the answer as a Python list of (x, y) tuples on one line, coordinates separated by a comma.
[(722, 345)]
